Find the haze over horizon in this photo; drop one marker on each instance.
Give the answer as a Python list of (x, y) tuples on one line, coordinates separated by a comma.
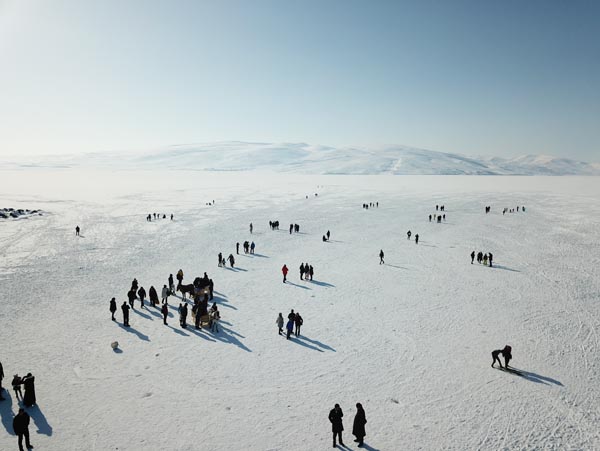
[(469, 78)]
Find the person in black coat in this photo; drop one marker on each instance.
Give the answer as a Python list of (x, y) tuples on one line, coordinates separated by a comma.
[(358, 428), (1, 377), (335, 417), (29, 384), (21, 428), (113, 308), (125, 309), (132, 297), (184, 314), (165, 312), (142, 295), (153, 296)]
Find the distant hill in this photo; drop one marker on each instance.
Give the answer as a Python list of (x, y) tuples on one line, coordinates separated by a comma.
[(312, 159)]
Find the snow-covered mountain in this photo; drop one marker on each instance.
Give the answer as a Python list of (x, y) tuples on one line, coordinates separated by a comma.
[(314, 159)]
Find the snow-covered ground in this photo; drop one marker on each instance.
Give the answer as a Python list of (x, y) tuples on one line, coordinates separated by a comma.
[(410, 340)]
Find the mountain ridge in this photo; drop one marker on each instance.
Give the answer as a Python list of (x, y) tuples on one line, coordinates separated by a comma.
[(314, 159)]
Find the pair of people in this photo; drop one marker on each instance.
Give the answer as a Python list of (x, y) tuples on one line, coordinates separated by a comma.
[(506, 353), (358, 427)]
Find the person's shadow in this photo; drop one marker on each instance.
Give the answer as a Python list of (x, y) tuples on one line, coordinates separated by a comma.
[(7, 413), (40, 421)]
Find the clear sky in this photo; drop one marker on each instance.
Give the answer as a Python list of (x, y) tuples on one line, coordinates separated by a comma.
[(474, 77)]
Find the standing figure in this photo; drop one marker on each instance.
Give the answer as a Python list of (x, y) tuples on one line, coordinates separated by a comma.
[(231, 260), (311, 271), (142, 295), (358, 428), (472, 257), (490, 259), (215, 316), (291, 228), (171, 285), (429, 218), (417, 238), (328, 235), (221, 259), (251, 227), (298, 321), (131, 297), (179, 276), (408, 234), (237, 248), (153, 296), (113, 308), (21, 428), (125, 309), (284, 270), (77, 229), (252, 247), (279, 322), (183, 315), (16, 385), (381, 262), (165, 312), (29, 384), (302, 270), (335, 417), (289, 328), (165, 295)]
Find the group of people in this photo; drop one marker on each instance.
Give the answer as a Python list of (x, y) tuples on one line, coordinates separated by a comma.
[(248, 247), (440, 208), (358, 427), (486, 259), (306, 271), (223, 262), (22, 419), (157, 216), (506, 352), (371, 204), (294, 228), (274, 225), (409, 234), (512, 210), (293, 324), (437, 218), (326, 236)]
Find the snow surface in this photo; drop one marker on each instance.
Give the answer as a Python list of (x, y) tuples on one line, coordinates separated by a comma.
[(410, 340), (313, 159)]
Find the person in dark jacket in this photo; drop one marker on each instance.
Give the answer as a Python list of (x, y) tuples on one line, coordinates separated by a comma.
[(237, 248), (142, 295), (298, 321), (506, 353), (417, 238), (77, 229), (358, 428), (289, 328), (134, 284), (184, 314), (21, 428), (29, 384), (153, 296), (231, 260), (472, 257), (171, 284), (1, 377), (165, 312), (311, 271), (113, 308), (335, 417), (490, 259), (381, 262), (125, 309), (302, 271), (328, 235), (16, 385), (132, 297)]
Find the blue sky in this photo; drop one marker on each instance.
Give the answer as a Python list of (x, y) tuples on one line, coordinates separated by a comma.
[(474, 77)]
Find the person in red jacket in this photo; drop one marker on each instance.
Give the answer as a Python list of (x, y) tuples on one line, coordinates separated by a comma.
[(284, 270)]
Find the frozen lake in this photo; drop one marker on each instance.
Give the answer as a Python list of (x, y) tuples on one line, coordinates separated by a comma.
[(410, 340)]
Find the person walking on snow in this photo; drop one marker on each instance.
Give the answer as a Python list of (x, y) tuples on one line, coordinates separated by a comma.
[(153, 295), (335, 417), (113, 308), (302, 271), (29, 384), (358, 428), (183, 315), (171, 285), (490, 259), (231, 260), (221, 259), (165, 312), (381, 262), (289, 327), (298, 321), (417, 238), (284, 270), (21, 428), (472, 257), (328, 235), (279, 322), (142, 295), (506, 353), (251, 228), (237, 248), (311, 271), (131, 297), (215, 316), (179, 276), (16, 385), (252, 246), (408, 235), (165, 295), (125, 309)]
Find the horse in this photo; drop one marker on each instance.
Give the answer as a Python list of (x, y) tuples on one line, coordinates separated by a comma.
[(185, 289)]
